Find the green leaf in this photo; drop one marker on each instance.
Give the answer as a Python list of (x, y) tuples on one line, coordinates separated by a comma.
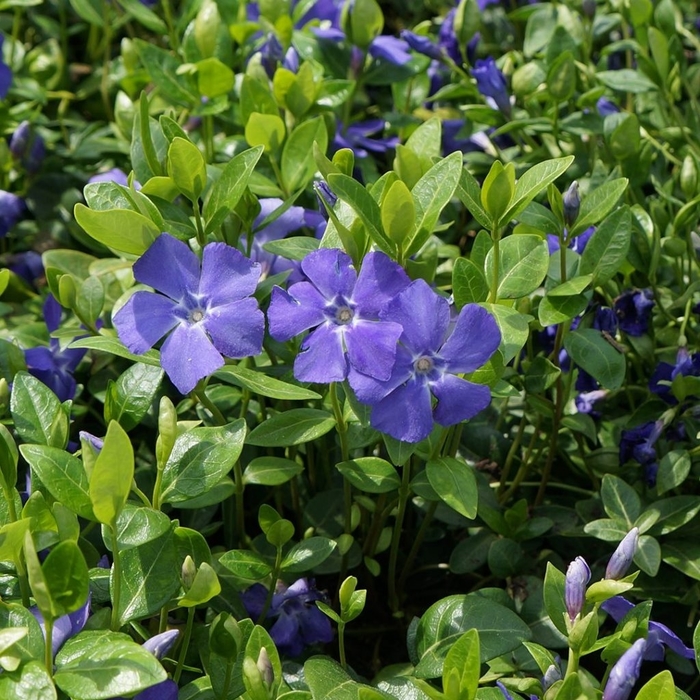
[(498, 190), (62, 475), (674, 468), (200, 458), (271, 471), (266, 130), (660, 687), (30, 682), (144, 16), (672, 513), (648, 555), (468, 283), (607, 249), (571, 287), (9, 457), (553, 309), (187, 168), (92, 11), (245, 565), (620, 500), (426, 140), (370, 474), (307, 554), (606, 529), (292, 428), (328, 681), (500, 630), (121, 229), (29, 647), (96, 665), (595, 355), (598, 204), (90, 299), (162, 66), (431, 194), (455, 483), (470, 195), (367, 209), (114, 346), (137, 525), (204, 587), (533, 181), (150, 578), (228, 189), (514, 329), (541, 375), (129, 398), (463, 664), (523, 265), (554, 598), (398, 213), (298, 164), (66, 576), (214, 78), (38, 415), (626, 80), (112, 475), (260, 383)]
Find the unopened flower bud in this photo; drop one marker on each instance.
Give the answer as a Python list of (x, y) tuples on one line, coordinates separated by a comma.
[(577, 577), (326, 196), (265, 667), (551, 676), (572, 204), (689, 177), (188, 572), (625, 672), (161, 644), (622, 557)]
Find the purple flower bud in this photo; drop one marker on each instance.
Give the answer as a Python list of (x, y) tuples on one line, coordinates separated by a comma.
[(27, 147), (325, 195), (12, 208), (606, 107), (551, 676), (291, 60), (577, 577), (625, 672), (622, 557), (20, 139), (572, 204), (422, 44), (491, 82), (161, 644)]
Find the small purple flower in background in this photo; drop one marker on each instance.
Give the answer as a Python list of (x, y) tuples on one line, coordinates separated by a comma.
[(271, 53), (27, 147), (428, 361), (686, 365), (52, 365), (291, 60), (423, 44), (343, 308), (390, 49), (5, 72), (625, 672), (577, 577), (572, 203), (621, 558), (358, 138), (633, 310), (491, 82), (577, 244), (298, 622), (28, 266), (659, 637), (205, 309), (12, 209), (64, 627), (638, 444), (115, 175)]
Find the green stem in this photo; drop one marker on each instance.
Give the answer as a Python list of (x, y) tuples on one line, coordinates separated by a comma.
[(572, 665), (158, 486), (141, 495), (163, 619), (185, 645), (404, 493), (48, 642), (216, 414), (511, 455), (201, 235), (168, 16), (420, 536), (341, 644), (116, 578), (273, 584), (496, 238), (106, 63)]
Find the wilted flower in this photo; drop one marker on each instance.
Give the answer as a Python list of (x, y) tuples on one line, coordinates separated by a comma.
[(633, 310), (491, 82), (53, 365), (12, 208), (577, 577), (343, 307), (622, 557), (625, 672), (298, 622), (428, 362), (206, 309), (659, 638)]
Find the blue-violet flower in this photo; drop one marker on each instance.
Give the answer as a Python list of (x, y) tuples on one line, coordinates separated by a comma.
[(577, 577), (625, 672)]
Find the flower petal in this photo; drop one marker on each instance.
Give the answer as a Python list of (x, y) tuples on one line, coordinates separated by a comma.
[(167, 690), (372, 346), (321, 356), (423, 314), (406, 413), (291, 220), (331, 272), (295, 311), (285, 634), (236, 329), (169, 266), (372, 391), (227, 275), (474, 339), (144, 320), (458, 399), (379, 281), (188, 356), (315, 626)]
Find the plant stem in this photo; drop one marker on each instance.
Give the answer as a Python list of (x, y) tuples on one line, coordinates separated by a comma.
[(116, 578), (404, 493), (271, 590), (496, 238), (341, 644), (185, 644), (420, 536), (48, 646)]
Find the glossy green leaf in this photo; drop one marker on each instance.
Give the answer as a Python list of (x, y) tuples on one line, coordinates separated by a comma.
[(513, 326), (292, 427), (523, 265), (112, 475), (187, 168), (137, 525), (469, 193), (271, 471), (468, 283), (260, 383), (204, 587), (266, 130), (308, 554), (297, 163), (455, 483), (246, 566), (596, 205), (29, 682), (660, 687), (595, 355), (37, 412), (129, 398), (462, 669), (370, 474), (66, 576), (121, 229)]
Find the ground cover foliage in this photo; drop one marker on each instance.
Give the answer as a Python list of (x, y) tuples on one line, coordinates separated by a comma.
[(349, 351)]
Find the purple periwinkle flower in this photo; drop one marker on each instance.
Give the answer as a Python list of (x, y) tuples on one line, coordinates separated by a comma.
[(5, 72), (577, 244), (577, 577), (53, 365), (606, 107), (633, 310), (390, 49), (625, 672), (428, 362), (116, 175), (160, 644), (206, 309), (638, 444), (423, 44), (491, 82), (659, 638), (29, 266), (358, 137), (586, 400), (572, 203), (271, 53), (686, 365), (64, 627), (343, 307), (12, 209), (298, 622), (27, 147), (504, 691), (291, 60), (621, 558)]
